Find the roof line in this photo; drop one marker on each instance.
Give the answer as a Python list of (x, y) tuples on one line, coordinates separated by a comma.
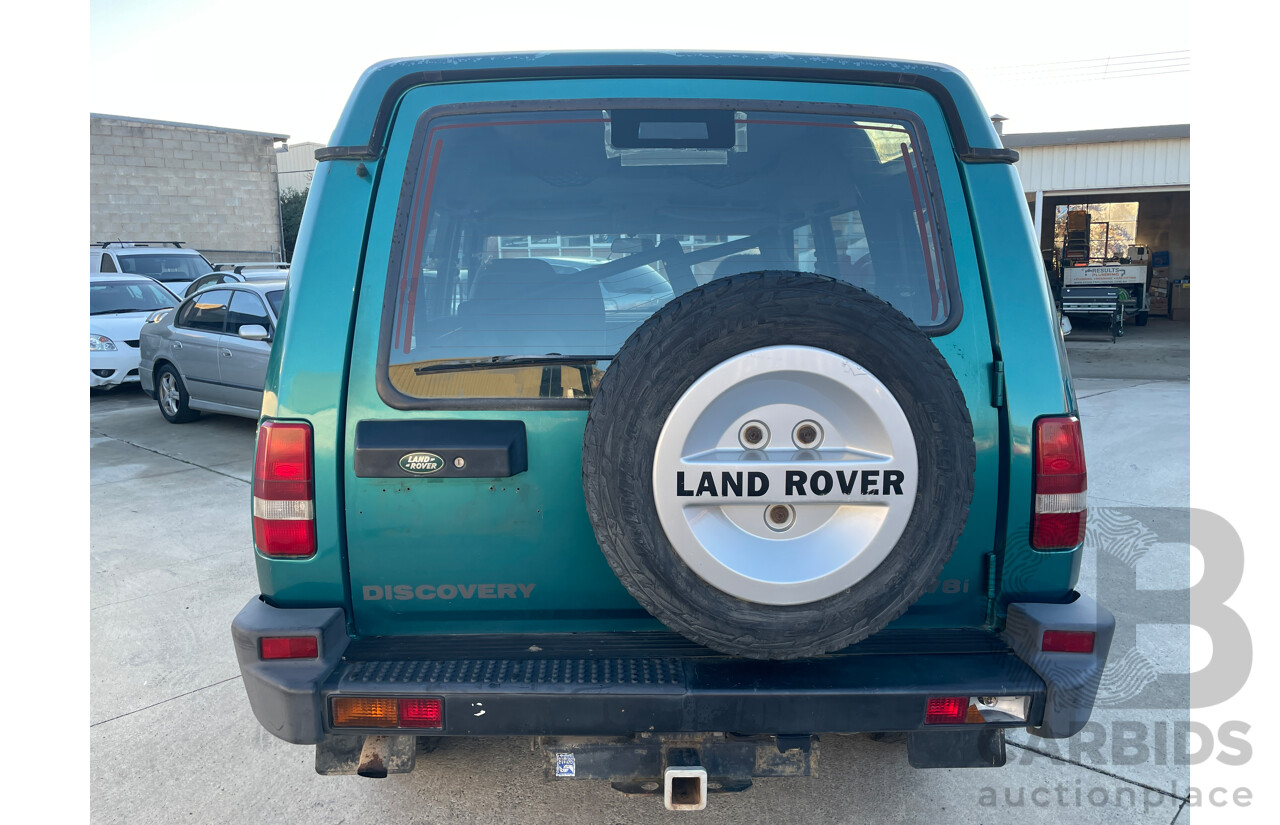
[(272, 135), (1129, 133)]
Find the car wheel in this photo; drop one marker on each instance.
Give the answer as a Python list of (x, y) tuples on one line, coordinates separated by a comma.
[(1141, 319), (171, 395), (721, 451)]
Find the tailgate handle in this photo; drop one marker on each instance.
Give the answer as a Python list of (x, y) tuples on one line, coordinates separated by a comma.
[(441, 448)]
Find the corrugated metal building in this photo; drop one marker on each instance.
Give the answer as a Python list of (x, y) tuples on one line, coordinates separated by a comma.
[(1149, 166), (297, 163)]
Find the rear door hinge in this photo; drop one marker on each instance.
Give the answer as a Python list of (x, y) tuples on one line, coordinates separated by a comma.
[(997, 384)]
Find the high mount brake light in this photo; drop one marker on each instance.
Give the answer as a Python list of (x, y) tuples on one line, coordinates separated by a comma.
[(1058, 522), (284, 523)]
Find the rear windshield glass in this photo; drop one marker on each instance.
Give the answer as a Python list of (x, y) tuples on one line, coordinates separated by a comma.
[(165, 268), (534, 244), (115, 298)]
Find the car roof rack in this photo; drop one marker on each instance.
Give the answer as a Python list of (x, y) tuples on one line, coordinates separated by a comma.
[(241, 267), (105, 244)]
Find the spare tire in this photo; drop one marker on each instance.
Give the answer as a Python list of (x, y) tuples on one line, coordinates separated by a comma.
[(778, 464)]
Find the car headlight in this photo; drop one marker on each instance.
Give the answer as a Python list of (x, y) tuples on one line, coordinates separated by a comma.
[(157, 316), (100, 343)]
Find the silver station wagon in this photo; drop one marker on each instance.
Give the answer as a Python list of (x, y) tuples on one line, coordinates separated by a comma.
[(210, 353)]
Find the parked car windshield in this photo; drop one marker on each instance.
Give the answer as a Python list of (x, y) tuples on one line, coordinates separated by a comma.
[(556, 234), (165, 268), (275, 299), (128, 296)]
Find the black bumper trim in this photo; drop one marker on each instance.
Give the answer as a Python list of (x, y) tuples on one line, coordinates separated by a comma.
[(873, 692), (624, 683)]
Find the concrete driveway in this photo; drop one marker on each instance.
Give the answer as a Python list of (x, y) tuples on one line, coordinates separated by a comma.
[(173, 739)]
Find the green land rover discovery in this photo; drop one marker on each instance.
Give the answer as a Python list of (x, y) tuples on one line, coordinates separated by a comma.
[(672, 409)]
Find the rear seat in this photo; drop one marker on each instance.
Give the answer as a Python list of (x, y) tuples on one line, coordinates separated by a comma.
[(520, 306)]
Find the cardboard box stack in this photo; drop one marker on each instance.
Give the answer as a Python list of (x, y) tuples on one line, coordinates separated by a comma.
[(1180, 301)]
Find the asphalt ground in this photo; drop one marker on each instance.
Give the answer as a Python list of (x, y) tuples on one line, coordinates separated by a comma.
[(172, 738)]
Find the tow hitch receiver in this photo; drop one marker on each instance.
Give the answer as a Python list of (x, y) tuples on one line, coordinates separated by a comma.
[(681, 768)]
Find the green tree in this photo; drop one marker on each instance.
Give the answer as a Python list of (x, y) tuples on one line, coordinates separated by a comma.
[(291, 203)]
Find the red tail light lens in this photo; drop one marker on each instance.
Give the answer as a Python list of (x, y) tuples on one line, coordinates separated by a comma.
[(1067, 641), (1058, 522), (946, 710), (283, 502), (290, 647), (421, 713), (284, 538)]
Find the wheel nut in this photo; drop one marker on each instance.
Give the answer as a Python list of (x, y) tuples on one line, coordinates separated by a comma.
[(807, 434), (753, 435), (779, 517)]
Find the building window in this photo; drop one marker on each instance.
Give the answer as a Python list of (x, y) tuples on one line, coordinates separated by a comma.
[(1113, 228)]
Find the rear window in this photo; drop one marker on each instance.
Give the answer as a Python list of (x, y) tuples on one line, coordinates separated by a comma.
[(119, 297), (531, 245), (165, 268)]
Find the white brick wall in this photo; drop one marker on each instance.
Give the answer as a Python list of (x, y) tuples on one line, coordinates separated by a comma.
[(210, 189)]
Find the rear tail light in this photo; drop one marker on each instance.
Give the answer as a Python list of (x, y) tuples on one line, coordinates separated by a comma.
[(367, 712), (1060, 484), (290, 647), (976, 710), (1067, 641), (421, 713), (284, 522), (946, 710)]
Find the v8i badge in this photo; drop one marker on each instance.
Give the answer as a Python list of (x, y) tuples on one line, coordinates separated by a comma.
[(421, 463)]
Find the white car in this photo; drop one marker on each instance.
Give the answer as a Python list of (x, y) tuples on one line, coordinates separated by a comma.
[(168, 262), (118, 307)]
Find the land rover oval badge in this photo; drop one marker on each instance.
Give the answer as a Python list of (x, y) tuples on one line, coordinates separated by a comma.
[(421, 463)]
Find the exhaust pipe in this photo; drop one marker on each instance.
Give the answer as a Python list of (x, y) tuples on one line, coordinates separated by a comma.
[(374, 756), (684, 789)]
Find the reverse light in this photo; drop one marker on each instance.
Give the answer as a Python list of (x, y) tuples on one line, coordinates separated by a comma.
[(1067, 641), (290, 647), (283, 502), (1058, 522), (100, 343)]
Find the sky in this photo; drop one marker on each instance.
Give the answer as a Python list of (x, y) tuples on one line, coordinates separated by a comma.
[(288, 67)]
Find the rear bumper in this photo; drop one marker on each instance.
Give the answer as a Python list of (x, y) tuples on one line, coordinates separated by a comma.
[(620, 683)]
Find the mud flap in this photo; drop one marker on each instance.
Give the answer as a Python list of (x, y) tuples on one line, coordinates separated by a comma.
[(982, 748), (340, 755)]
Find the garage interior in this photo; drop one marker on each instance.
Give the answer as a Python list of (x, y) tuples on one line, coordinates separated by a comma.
[(1135, 185)]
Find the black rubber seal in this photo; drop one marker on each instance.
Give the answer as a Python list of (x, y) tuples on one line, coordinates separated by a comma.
[(955, 124)]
